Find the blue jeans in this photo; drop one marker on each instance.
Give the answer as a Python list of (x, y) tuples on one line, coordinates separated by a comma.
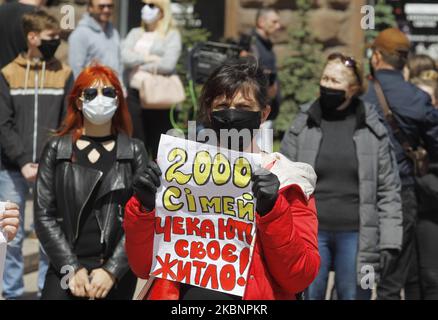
[(337, 249), (43, 266), (14, 187)]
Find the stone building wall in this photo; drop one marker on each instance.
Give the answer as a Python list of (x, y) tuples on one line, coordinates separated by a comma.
[(79, 9), (336, 23)]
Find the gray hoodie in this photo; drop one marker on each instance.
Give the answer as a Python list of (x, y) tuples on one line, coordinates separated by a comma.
[(89, 42)]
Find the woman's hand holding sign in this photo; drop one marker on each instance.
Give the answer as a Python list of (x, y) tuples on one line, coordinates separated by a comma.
[(265, 188), (146, 185)]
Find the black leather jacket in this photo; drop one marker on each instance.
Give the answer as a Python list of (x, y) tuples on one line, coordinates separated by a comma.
[(62, 190)]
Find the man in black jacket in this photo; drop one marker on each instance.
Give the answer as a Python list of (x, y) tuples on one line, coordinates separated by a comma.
[(417, 118), (13, 41), (262, 47), (267, 25)]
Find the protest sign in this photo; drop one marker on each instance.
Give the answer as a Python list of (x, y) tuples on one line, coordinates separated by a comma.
[(3, 248), (205, 215)]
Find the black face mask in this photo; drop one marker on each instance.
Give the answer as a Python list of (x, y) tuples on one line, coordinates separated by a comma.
[(236, 119), (331, 99), (48, 48)]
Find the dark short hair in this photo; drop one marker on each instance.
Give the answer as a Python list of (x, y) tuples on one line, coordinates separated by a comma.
[(38, 21), (242, 75), (91, 3), (263, 12), (395, 60)]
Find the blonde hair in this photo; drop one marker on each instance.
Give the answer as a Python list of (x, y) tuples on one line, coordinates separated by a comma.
[(355, 70), (429, 75), (432, 84), (417, 64), (166, 23)]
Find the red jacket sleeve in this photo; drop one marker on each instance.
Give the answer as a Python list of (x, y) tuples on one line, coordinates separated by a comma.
[(289, 238), (139, 230)]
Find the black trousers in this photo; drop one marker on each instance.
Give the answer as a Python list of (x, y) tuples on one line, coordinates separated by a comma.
[(122, 290), (148, 124), (390, 287), (427, 235)]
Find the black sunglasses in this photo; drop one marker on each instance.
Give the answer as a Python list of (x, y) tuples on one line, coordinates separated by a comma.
[(151, 5), (103, 6), (349, 62), (91, 93)]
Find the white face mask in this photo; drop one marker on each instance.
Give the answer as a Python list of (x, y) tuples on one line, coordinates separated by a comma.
[(100, 110), (150, 15)]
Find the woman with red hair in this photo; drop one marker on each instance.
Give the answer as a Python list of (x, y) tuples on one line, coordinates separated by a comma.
[(84, 180)]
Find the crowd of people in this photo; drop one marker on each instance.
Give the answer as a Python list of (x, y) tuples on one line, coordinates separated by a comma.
[(353, 189)]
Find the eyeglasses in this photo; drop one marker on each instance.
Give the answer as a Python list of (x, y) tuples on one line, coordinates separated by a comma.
[(91, 93), (103, 6), (349, 62)]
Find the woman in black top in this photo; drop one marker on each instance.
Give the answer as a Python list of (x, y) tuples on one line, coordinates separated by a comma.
[(84, 180), (358, 188)]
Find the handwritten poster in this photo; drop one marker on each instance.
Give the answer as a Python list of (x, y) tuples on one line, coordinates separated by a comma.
[(205, 215)]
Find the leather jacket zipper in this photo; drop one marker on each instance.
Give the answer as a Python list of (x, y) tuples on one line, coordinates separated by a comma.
[(102, 231), (102, 235), (83, 206), (102, 240)]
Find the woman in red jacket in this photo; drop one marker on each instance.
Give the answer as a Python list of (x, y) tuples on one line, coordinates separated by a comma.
[(285, 259)]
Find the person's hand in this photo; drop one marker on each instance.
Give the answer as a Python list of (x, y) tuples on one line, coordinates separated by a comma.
[(265, 188), (244, 54), (101, 283), (388, 257), (30, 171), (78, 283), (10, 220), (146, 184)]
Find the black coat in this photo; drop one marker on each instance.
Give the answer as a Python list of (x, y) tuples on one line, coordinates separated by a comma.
[(264, 51), (414, 113), (62, 190)]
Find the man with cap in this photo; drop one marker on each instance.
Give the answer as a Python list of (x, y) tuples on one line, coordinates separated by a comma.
[(418, 120)]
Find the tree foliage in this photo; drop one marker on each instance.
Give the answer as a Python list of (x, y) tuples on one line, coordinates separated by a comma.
[(300, 70), (384, 18), (191, 33)]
